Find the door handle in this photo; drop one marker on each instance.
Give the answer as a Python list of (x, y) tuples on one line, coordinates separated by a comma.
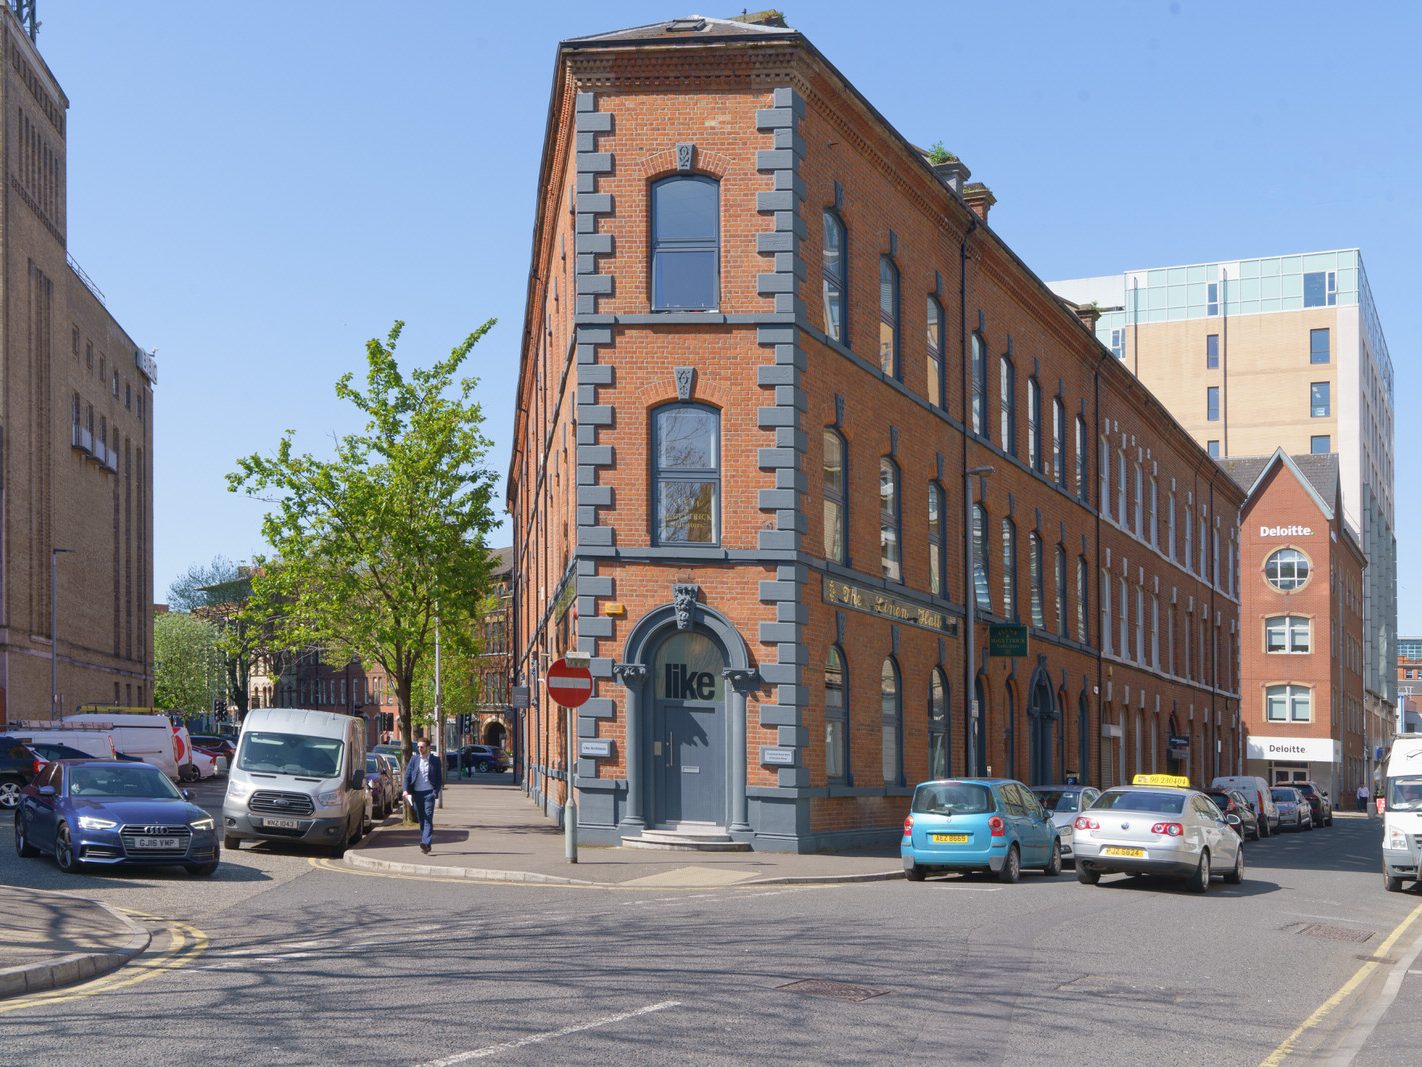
[(669, 750)]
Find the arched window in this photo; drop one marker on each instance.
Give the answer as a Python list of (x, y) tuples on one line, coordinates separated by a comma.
[(1083, 458), (891, 710), (1034, 564), (1286, 570), (1034, 425), (1007, 405), (836, 718), (836, 534), (1288, 703), (1083, 598), (834, 271), (935, 353), (937, 542), (889, 542), (687, 474), (980, 560), (938, 762), (888, 317), (1288, 633), (686, 243), (979, 373), (1009, 569), (1059, 464), (1062, 627)]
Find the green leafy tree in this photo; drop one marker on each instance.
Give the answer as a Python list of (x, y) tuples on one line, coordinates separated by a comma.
[(184, 657), (218, 592), (368, 546)]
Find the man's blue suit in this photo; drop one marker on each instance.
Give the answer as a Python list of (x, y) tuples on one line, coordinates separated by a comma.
[(424, 799)]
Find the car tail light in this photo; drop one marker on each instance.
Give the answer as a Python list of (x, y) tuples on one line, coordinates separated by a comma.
[(997, 826), (39, 765), (1168, 829), (1083, 823), (908, 826)]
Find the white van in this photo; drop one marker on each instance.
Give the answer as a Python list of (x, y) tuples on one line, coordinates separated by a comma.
[(1402, 812), (298, 776), (149, 737), (1257, 791), (93, 741)]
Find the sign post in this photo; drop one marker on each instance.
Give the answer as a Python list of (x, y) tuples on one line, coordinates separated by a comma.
[(569, 686)]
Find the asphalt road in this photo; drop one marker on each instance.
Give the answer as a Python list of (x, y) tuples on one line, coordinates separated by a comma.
[(286, 961)]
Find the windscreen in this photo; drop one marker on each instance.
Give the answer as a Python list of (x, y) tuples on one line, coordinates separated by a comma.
[(1141, 800), (952, 798), (295, 754), (139, 782), (1058, 800), (1286, 795), (1221, 800), (1405, 794)]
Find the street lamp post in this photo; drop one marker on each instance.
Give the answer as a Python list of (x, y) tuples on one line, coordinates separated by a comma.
[(54, 554), (970, 689)]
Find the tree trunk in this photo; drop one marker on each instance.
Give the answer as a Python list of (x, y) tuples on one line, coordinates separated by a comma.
[(403, 686)]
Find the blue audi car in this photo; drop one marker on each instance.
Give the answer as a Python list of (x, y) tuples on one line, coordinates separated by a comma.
[(108, 812)]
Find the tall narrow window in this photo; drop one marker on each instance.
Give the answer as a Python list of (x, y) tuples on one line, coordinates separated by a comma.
[(1155, 631), (1103, 488), (979, 373), (836, 513), (1007, 405), (836, 718), (937, 725), (1140, 625), (1212, 403), (1107, 630), (1170, 525), (1212, 351), (980, 562), (937, 542), (1125, 621), (1034, 566), (888, 317), (892, 716), (1319, 350), (1122, 515), (1083, 587), (1137, 495), (1320, 405), (686, 243), (935, 353), (1083, 459), (687, 474), (833, 271), (1061, 561), (1034, 425), (1153, 523), (889, 552), (1059, 464), (1009, 569)]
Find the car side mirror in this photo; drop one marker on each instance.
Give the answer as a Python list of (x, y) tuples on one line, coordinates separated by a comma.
[(1233, 820), (46, 790), (187, 794)]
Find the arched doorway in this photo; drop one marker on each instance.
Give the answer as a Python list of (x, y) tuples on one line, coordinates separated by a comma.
[(688, 734), (1083, 740), (495, 733), (1042, 719), (1173, 765)]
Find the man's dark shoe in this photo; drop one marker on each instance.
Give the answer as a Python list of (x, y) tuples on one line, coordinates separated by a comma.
[(425, 849)]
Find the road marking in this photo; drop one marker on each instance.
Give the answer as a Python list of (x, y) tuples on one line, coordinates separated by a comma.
[(1361, 1030), (186, 944), (534, 1039), (1287, 1045)]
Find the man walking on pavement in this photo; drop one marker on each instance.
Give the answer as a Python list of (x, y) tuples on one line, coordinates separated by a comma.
[(1363, 797), (424, 779)]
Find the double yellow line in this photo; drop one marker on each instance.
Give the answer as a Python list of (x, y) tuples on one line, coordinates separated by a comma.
[(185, 944)]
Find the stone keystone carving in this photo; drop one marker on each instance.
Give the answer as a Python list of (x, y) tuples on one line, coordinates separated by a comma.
[(683, 597)]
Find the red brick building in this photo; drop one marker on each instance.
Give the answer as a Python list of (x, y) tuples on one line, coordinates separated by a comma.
[(1302, 622), (769, 351)]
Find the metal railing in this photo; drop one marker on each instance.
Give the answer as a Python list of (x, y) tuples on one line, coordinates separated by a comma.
[(88, 281)]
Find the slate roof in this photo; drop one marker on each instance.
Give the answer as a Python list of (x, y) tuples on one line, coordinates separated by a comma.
[(1321, 472), (691, 28)]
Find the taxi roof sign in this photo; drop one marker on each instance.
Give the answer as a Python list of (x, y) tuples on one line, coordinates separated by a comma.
[(1177, 780)]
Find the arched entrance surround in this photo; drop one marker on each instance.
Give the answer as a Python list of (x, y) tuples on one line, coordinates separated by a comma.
[(1042, 717)]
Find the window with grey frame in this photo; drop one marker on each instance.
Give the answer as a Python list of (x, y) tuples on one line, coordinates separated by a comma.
[(836, 717), (981, 591), (1034, 425), (935, 335), (890, 551), (938, 735), (1083, 600), (978, 371), (1319, 346), (888, 317), (1083, 460), (836, 511), (686, 476), (1320, 404), (1212, 403), (1063, 627), (1034, 573), (1007, 405), (834, 272), (686, 243), (937, 541), (1212, 351), (1059, 463), (891, 713)]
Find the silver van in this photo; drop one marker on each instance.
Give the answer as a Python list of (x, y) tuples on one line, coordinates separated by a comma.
[(298, 776)]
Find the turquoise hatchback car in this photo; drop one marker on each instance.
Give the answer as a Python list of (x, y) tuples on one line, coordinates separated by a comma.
[(978, 824)]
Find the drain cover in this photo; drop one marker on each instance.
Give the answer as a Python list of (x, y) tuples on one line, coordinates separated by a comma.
[(818, 987), (1332, 933)]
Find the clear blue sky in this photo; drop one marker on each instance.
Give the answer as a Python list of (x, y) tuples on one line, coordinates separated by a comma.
[(258, 188)]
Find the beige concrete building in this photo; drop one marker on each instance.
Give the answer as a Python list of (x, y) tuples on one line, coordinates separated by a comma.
[(1283, 352), (76, 435)]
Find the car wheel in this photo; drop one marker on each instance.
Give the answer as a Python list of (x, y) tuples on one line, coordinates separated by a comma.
[(202, 870), (64, 852), (1390, 883), (1236, 876), (10, 793), (1054, 867), (1257, 833), (1200, 880), (23, 848), (1328, 821), (1309, 825), (1086, 876), (483, 767), (1264, 827), (231, 843), (1011, 867), (915, 873)]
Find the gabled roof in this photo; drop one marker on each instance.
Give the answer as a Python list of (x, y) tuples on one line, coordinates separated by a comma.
[(697, 28), (1317, 474)]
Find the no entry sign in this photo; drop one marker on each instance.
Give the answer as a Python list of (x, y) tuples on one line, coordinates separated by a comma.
[(569, 686)]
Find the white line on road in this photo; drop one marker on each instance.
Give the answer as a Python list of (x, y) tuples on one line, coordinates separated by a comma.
[(534, 1039)]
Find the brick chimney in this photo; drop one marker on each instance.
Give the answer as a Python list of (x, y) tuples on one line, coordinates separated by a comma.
[(979, 198), (1087, 313)]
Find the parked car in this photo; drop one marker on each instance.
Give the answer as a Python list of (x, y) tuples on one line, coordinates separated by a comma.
[(111, 812), (1158, 825), (18, 765), (380, 779), (1294, 811), (978, 824), (1320, 807), (1233, 802), (481, 758), (49, 751), (1260, 798), (1065, 802), (223, 746), (205, 763)]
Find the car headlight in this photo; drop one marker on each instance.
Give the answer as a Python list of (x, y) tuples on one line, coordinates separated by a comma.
[(90, 822), (331, 799), (1395, 837), (203, 824), (237, 789)]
